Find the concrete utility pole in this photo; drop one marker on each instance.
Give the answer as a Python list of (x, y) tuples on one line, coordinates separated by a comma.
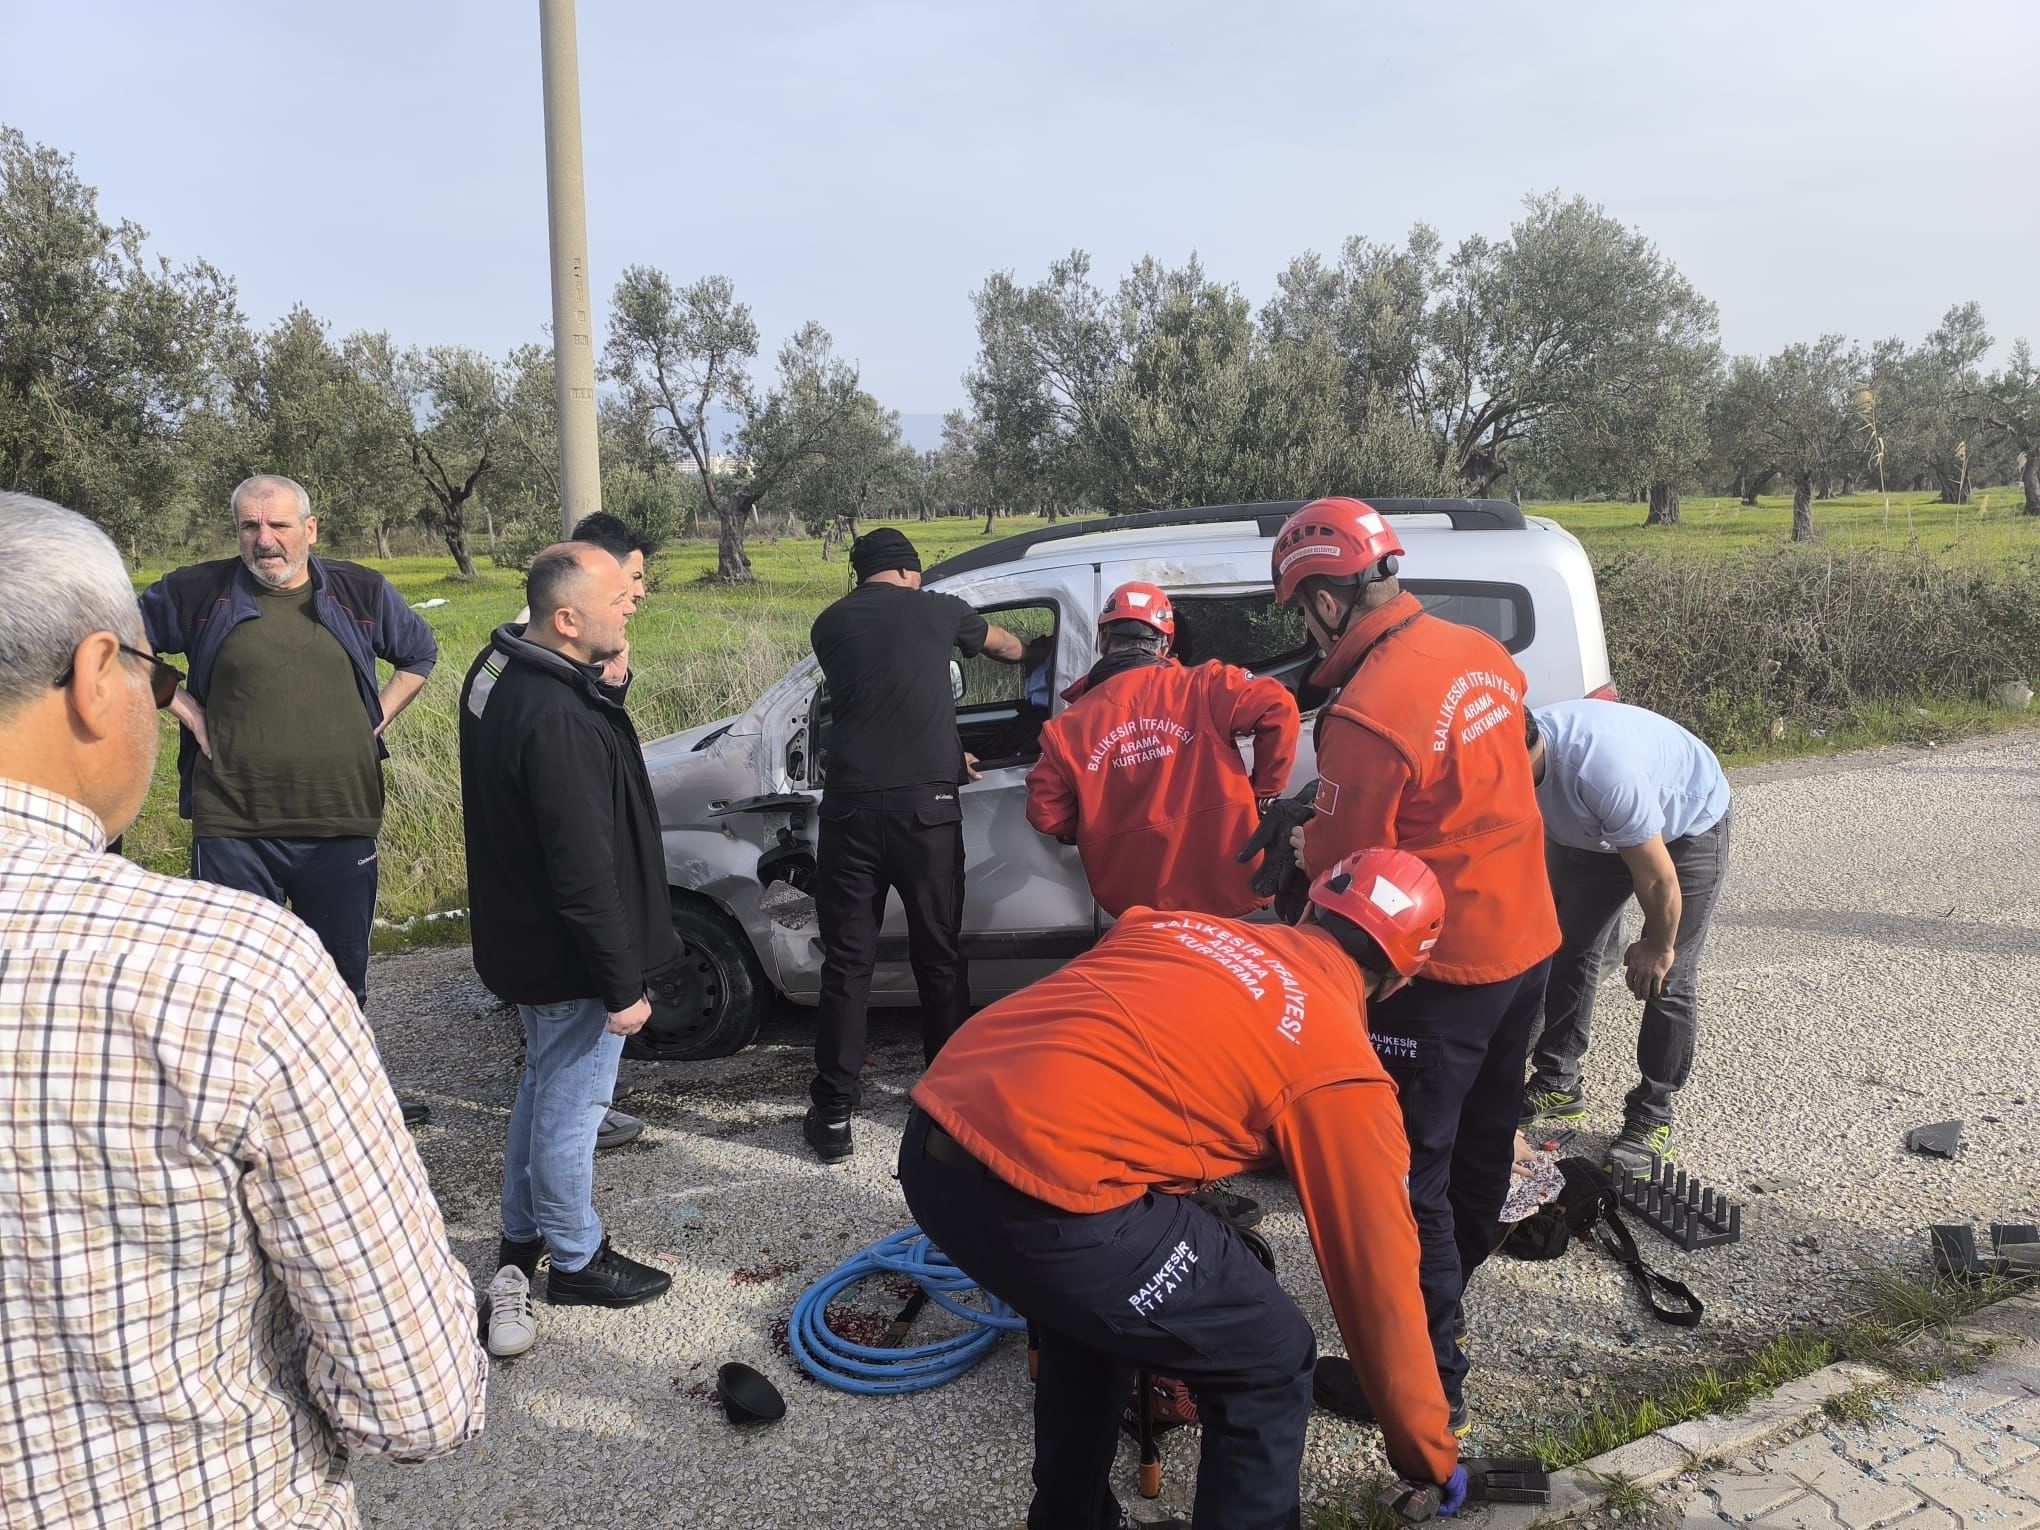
[(573, 314)]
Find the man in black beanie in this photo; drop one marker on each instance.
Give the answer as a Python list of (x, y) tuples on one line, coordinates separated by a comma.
[(890, 814)]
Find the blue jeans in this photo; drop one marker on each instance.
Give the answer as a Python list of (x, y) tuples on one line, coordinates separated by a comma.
[(549, 1163)]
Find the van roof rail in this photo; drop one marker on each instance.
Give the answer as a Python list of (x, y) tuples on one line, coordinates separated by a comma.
[(1268, 516)]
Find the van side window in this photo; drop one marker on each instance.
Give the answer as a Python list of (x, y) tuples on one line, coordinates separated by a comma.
[(1266, 639), (1248, 630), (987, 682), (1502, 611), (1003, 706)]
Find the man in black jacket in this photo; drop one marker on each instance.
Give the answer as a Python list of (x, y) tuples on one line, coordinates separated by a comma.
[(567, 897)]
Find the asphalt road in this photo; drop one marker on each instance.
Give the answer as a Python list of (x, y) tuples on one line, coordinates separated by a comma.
[(1875, 965)]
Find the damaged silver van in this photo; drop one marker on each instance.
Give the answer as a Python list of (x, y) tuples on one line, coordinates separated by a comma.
[(737, 797)]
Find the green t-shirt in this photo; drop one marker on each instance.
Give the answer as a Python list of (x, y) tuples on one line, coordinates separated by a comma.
[(293, 754)]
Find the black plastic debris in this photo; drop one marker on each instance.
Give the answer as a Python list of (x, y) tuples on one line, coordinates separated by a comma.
[(1775, 1185), (1954, 1252), (1691, 1214), (747, 1397), (1939, 1140)]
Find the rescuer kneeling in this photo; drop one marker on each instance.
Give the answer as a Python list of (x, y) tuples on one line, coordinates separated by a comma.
[(1056, 1137)]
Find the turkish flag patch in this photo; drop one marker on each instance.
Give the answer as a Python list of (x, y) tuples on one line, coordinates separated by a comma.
[(1327, 799)]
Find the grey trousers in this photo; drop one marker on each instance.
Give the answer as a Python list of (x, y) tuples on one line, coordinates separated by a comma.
[(1591, 887)]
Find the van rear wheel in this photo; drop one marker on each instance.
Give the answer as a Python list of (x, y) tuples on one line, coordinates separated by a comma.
[(711, 1002)]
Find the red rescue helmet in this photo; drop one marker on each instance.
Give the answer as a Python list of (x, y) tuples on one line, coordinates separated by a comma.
[(1391, 896), (1335, 538), (1140, 602)]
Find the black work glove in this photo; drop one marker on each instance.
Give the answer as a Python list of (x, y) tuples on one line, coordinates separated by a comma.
[(1278, 874)]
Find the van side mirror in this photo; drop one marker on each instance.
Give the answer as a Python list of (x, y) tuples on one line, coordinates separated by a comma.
[(955, 680)]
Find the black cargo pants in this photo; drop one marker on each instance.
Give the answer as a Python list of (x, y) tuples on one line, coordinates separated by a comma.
[(1159, 1284), (1591, 889), (1455, 1052), (908, 840)]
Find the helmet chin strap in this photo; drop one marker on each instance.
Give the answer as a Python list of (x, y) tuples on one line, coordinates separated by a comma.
[(1352, 610), (1385, 569)]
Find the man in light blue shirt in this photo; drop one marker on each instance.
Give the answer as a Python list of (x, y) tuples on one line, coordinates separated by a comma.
[(1633, 804)]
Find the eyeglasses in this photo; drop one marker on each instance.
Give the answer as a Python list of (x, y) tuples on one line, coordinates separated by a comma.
[(164, 678)]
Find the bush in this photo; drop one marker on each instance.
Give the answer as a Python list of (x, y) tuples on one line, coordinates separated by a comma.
[(1726, 645), (524, 539)]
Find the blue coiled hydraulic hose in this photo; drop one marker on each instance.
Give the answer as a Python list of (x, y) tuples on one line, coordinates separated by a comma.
[(878, 1372)]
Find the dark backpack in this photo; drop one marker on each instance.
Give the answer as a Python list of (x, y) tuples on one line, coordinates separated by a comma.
[(1585, 1209)]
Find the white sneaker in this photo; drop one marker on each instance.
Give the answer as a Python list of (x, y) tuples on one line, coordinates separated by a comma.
[(511, 1325)]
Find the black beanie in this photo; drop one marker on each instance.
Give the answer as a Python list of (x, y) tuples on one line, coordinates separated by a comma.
[(877, 551)]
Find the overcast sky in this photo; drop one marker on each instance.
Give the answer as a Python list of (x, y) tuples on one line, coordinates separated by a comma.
[(1854, 167)]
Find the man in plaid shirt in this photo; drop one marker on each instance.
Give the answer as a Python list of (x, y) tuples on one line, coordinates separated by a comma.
[(224, 1271)]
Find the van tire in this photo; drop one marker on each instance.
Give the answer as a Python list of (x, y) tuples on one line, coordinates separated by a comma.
[(712, 1002)]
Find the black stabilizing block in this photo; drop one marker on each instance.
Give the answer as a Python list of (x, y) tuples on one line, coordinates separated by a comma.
[(1954, 1250), (1691, 1214), (1506, 1479), (2018, 1247)]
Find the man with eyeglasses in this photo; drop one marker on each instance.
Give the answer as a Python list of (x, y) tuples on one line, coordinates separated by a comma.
[(280, 765), (225, 1269)]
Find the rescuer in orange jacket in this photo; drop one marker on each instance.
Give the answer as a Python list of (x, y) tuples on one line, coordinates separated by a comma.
[(1054, 1139), (1421, 746), (1142, 772)]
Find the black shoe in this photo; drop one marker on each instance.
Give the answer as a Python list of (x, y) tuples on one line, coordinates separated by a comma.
[(524, 1255), (1242, 1211), (415, 1112), (1337, 1390), (608, 1280), (828, 1135)]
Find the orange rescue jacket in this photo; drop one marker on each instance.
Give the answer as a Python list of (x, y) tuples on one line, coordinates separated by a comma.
[(1185, 1047), (1422, 748), (1142, 771)]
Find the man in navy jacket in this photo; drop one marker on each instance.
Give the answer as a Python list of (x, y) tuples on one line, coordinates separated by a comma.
[(279, 768)]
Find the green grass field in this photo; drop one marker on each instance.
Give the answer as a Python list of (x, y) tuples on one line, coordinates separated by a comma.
[(1993, 527), (703, 650)]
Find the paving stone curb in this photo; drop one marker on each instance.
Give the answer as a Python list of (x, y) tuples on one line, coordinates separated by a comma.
[(1668, 1453)]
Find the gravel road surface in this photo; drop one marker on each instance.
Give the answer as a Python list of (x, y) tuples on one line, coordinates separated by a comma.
[(1875, 966)]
